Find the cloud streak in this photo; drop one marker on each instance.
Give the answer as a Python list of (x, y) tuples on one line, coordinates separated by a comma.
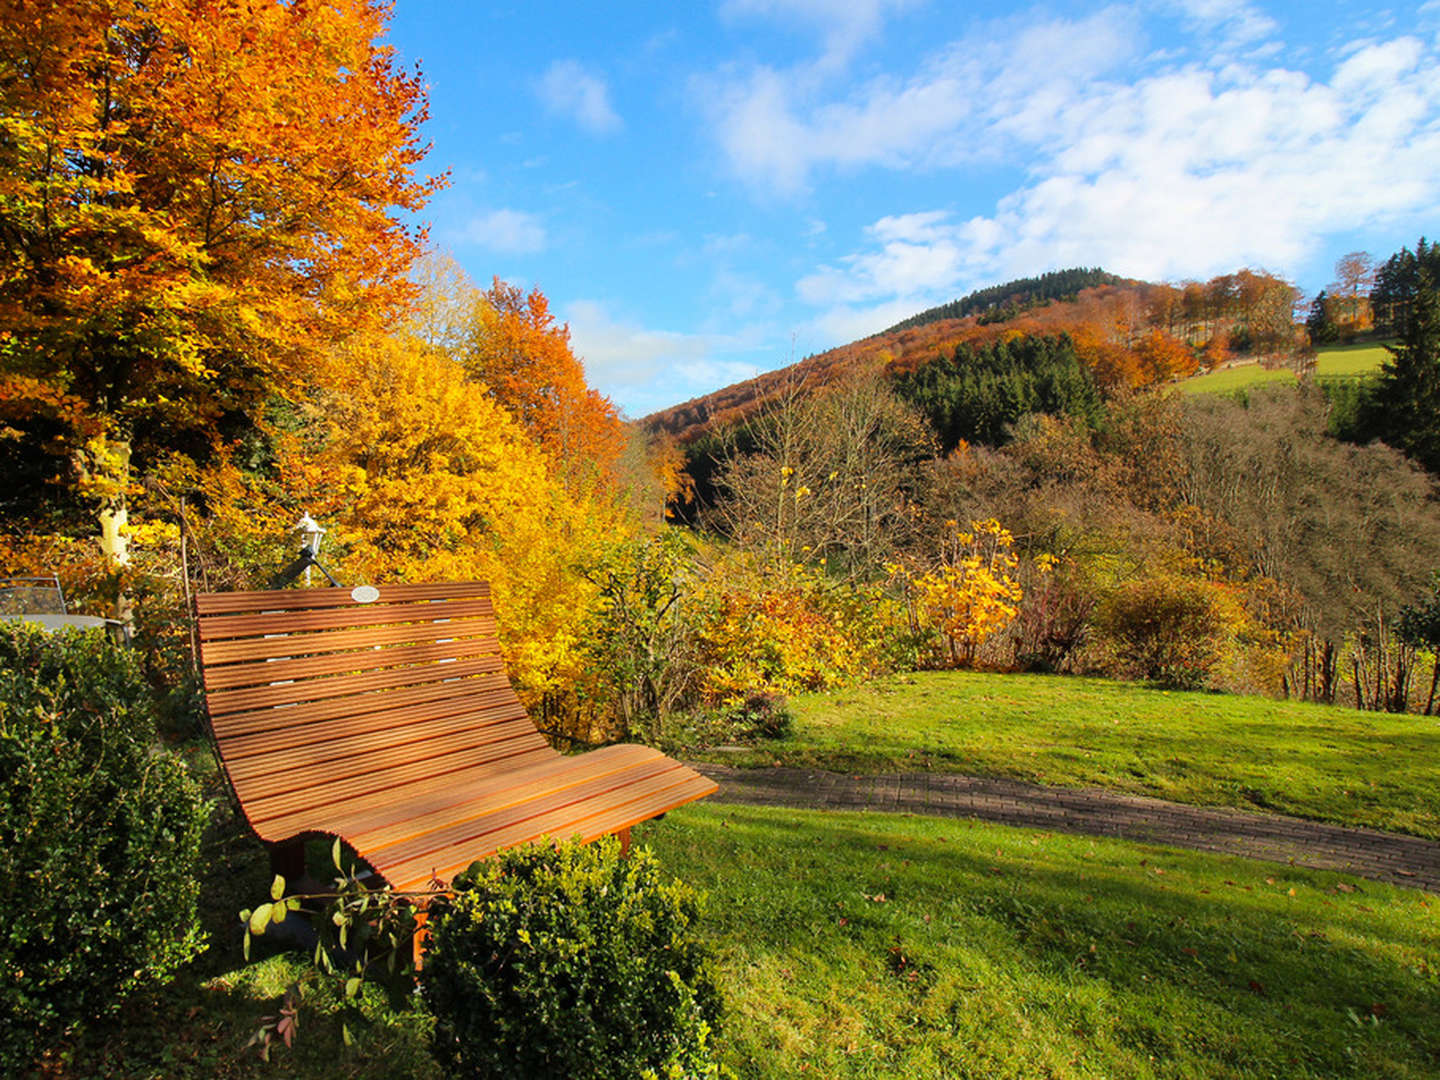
[(568, 90)]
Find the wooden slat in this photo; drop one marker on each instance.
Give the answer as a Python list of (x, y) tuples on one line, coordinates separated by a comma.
[(587, 828), (591, 818), (418, 802), (256, 649), (260, 697), (353, 743), (489, 692), (235, 725), (302, 773), (437, 824), (339, 814), (409, 841), (256, 672), (217, 627), (307, 599), (306, 810)]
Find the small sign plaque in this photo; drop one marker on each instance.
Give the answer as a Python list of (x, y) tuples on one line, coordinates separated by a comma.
[(365, 594)]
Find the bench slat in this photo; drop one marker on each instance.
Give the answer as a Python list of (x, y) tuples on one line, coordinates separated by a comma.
[(492, 689), (272, 718), (596, 817), (299, 622), (293, 693), (307, 599), (346, 642), (338, 815), (313, 804), (257, 673)]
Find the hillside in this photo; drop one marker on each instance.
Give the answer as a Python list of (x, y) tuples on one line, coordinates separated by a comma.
[(1128, 333)]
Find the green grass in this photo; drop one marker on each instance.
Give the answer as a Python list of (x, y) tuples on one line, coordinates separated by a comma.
[(1331, 362), (1362, 359), (1331, 764), (1228, 380), (883, 945), (878, 945)]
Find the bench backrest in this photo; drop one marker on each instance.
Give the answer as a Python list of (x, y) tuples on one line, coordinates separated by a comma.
[(325, 708)]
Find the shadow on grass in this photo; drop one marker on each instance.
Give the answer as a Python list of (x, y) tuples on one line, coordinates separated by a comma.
[(1087, 957)]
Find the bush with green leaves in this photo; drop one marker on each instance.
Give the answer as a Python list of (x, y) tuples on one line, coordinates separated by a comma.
[(563, 959), (99, 839)]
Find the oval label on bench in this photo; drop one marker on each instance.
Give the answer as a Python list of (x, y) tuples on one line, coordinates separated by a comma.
[(365, 594)]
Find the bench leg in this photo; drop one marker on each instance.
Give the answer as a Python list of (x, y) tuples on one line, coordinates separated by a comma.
[(624, 835), (422, 936), (287, 858)]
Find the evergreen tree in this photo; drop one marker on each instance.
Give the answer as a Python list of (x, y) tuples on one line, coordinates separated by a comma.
[(1405, 410)]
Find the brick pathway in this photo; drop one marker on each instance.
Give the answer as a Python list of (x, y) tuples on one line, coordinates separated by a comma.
[(1392, 857)]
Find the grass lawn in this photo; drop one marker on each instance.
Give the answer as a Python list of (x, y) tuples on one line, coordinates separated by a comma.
[(1340, 765), (1331, 361), (882, 945), (1227, 380)]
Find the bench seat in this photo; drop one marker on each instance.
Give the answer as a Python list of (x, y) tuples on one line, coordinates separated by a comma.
[(390, 722)]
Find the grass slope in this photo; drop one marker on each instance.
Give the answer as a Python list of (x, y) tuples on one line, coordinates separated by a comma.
[(1331, 362), (877, 945), (1340, 765)]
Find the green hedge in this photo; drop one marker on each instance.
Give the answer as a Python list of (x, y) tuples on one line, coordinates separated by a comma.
[(99, 838), (568, 960)]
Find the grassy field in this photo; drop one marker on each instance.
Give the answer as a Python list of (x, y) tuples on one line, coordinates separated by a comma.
[(1340, 765), (879, 945), (876, 945), (1331, 362)]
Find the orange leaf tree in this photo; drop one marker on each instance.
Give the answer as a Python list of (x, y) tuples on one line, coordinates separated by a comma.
[(197, 197)]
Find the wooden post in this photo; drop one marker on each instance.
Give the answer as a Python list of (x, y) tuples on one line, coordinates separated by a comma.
[(624, 835)]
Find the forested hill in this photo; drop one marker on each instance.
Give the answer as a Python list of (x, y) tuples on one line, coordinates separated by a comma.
[(1127, 333), (1000, 302)]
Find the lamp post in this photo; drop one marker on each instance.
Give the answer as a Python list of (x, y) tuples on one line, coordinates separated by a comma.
[(310, 534)]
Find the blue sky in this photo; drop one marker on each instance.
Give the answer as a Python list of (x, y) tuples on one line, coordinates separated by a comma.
[(708, 191)]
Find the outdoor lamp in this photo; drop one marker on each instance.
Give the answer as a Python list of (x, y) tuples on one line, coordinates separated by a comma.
[(310, 532)]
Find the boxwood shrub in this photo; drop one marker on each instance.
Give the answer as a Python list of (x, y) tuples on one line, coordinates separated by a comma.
[(99, 839), (562, 959)]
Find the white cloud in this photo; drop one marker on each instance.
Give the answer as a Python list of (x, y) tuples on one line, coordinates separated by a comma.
[(844, 25), (776, 128), (507, 232), (1186, 172), (567, 89), (642, 369)]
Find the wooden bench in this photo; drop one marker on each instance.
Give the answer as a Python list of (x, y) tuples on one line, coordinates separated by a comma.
[(392, 724)]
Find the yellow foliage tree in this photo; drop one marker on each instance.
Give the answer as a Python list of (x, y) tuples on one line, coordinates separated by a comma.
[(973, 593), (419, 475)]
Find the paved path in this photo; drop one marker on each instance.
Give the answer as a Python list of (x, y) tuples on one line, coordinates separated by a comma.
[(1392, 857)]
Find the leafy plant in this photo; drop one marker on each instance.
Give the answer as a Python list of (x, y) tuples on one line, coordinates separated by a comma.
[(568, 960), (99, 839)]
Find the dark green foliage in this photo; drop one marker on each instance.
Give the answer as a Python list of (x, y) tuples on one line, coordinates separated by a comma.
[(977, 394), (99, 838), (1000, 302), (568, 960), (1405, 406), (1321, 323), (1396, 283)]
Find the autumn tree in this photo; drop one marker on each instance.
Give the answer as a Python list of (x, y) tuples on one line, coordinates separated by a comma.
[(518, 351), (199, 199), (1354, 278)]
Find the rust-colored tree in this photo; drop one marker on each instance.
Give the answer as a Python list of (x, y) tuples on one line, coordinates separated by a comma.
[(518, 350)]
